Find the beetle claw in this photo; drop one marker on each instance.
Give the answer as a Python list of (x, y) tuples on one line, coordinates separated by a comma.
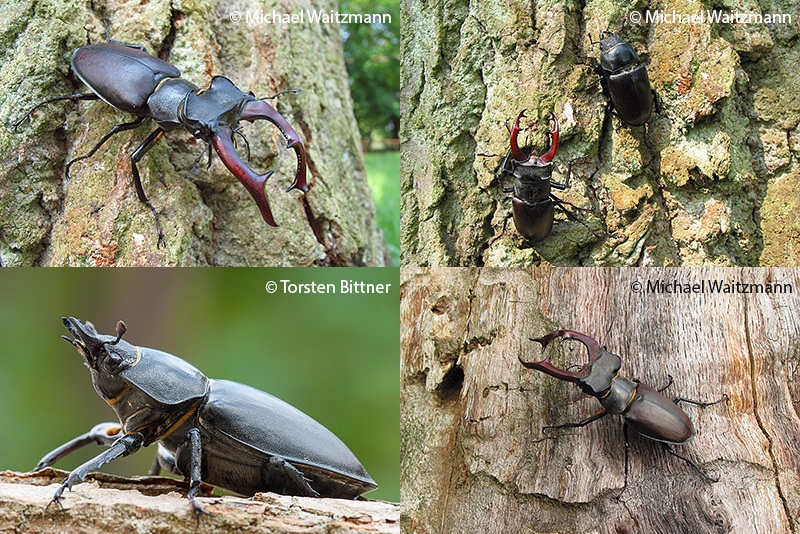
[(519, 154), (545, 366), (254, 183), (259, 109)]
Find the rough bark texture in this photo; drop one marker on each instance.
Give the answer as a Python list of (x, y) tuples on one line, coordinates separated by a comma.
[(712, 179), (109, 503), (475, 459), (95, 218)]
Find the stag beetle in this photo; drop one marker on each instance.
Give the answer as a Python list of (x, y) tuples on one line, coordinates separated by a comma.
[(128, 78), (624, 79), (644, 408), (215, 431), (533, 203)]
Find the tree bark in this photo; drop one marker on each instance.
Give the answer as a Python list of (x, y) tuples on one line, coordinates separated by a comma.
[(475, 458), (108, 503), (711, 179), (94, 218)]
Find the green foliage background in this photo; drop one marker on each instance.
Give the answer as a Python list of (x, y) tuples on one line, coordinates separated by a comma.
[(333, 356), (383, 175), (372, 55)]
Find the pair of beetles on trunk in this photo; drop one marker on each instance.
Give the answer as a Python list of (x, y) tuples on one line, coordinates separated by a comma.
[(624, 80)]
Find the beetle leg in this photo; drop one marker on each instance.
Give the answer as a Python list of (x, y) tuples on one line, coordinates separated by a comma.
[(696, 467), (194, 476), (115, 130), (164, 460), (258, 109), (123, 446), (137, 181), (593, 418), (627, 446), (293, 474), (676, 400), (102, 434), (77, 96), (198, 158)]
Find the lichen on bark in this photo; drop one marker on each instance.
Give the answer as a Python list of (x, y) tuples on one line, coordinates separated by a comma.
[(94, 218), (711, 179)]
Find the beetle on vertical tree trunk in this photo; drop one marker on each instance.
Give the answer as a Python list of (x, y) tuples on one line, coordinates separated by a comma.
[(623, 77), (128, 78), (533, 204), (644, 408), (214, 431)]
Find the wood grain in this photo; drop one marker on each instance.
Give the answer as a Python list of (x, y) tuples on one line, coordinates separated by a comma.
[(475, 459)]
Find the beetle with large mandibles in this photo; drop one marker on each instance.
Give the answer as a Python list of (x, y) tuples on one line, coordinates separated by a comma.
[(126, 77), (215, 431), (623, 77), (644, 408), (533, 204)]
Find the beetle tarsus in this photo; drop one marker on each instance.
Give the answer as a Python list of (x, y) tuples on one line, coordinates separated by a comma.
[(295, 475), (77, 96)]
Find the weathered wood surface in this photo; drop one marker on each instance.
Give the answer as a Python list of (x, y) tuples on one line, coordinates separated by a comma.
[(475, 459), (107, 503)]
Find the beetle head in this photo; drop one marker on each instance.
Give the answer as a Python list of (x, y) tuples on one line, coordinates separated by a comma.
[(594, 377), (608, 40), (107, 355)]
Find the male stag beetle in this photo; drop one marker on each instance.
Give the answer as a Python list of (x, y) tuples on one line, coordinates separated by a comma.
[(126, 77), (533, 203), (215, 431), (644, 408), (624, 79)]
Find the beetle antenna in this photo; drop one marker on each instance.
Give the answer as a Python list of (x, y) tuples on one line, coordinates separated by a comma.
[(276, 95), (121, 329), (246, 143)]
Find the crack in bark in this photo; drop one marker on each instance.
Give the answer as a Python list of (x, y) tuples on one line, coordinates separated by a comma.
[(761, 426)]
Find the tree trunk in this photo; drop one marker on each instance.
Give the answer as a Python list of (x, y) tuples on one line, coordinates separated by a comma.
[(712, 178), (94, 218), (475, 458), (108, 503)]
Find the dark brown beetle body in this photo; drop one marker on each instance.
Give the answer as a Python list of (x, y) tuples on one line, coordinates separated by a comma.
[(623, 77), (127, 78), (216, 431), (533, 204), (644, 408)]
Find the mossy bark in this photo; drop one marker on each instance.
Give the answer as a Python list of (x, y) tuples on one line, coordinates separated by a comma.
[(475, 457), (94, 218), (711, 180)]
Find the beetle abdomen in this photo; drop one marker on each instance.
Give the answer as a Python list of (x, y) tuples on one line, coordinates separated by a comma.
[(122, 76), (533, 220), (259, 426), (655, 416), (631, 94)]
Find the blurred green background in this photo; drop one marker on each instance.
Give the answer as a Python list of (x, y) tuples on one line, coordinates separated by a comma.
[(335, 357), (372, 56)]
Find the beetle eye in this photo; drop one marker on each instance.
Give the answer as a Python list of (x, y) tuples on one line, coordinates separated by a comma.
[(113, 361)]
